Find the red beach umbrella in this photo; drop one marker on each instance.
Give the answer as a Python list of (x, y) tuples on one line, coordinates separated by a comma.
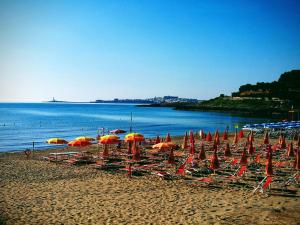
[(283, 143), (201, 134), (168, 138), (202, 155), (215, 164), (192, 140), (244, 160), (216, 135), (227, 150), (225, 135), (217, 138), (266, 138), (235, 139), (250, 149), (192, 149), (269, 167), (241, 134), (208, 137)]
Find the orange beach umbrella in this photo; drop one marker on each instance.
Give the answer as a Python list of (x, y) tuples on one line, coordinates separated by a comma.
[(164, 145), (78, 143)]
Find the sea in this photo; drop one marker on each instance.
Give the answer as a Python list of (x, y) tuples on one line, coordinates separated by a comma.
[(21, 124)]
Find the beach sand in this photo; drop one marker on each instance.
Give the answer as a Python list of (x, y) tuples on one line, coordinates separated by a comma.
[(39, 192)]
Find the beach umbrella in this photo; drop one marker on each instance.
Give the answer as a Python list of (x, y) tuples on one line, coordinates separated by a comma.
[(250, 149), (244, 160), (109, 139), (227, 150), (192, 148), (134, 137), (185, 140), (283, 143), (298, 142), (168, 138), (58, 141), (268, 150), (215, 164), (117, 131), (164, 146), (78, 143), (216, 135), (201, 134), (208, 137), (235, 139), (225, 135), (192, 140), (202, 155), (217, 140), (157, 140), (241, 134), (83, 138), (266, 138), (290, 151), (269, 167)]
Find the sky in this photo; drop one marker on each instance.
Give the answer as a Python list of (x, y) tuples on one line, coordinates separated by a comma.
[(86, 50)]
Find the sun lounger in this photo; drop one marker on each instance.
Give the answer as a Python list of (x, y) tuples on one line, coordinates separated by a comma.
[(264, 185), (238, 174), (163, 175)]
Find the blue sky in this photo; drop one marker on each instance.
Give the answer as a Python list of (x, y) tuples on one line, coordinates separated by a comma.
[(87, 50)]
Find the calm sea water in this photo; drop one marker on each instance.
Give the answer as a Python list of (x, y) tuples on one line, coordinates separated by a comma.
[(23, 123)]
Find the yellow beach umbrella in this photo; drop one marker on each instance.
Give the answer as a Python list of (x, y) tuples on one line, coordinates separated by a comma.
[(109, 139), (134, 137), (56, 141), (84, 138)]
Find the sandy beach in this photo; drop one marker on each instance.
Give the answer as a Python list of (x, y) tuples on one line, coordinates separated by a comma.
[(40, 192)]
